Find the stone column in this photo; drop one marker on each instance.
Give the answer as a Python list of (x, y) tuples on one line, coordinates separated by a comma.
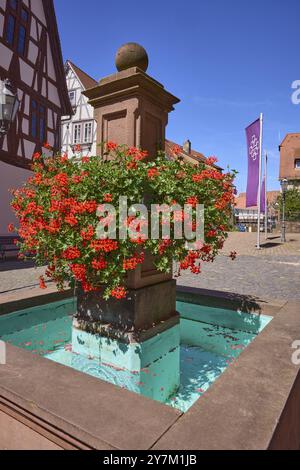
[(142, 332)]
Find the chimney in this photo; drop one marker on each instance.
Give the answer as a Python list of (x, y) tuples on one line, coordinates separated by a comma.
[(187, 147)]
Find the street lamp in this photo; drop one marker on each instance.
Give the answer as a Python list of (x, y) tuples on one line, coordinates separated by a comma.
[(9, 105), (284, 187)]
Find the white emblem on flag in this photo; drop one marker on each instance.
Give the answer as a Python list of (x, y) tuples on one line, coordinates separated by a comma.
[(254, 148)]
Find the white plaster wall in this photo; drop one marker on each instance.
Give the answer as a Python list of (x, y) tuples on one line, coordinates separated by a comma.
[(51, 69), (38, 9), (11, 177), (5, 56), (26, 72), (53, 94)]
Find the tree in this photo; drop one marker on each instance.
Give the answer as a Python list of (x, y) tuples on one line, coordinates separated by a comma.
[(292, 204)]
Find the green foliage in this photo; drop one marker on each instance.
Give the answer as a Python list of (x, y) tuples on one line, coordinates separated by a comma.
[(59, 214), (292, 204)]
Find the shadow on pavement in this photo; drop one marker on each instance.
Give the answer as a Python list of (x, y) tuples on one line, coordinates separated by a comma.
[(15, 264)]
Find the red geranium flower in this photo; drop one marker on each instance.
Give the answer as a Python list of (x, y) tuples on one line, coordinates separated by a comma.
[(107, 198), (111, 145), (119, 292), (152, 173), (46, 145), (42, 283)]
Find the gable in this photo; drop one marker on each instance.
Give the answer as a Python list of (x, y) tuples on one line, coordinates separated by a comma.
[(55, 60)]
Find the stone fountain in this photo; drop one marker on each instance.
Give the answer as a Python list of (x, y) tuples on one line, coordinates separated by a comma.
[(140, 333)]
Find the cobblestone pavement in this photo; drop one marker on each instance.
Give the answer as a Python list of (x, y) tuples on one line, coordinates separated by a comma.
[(17, 275), (272, 272)]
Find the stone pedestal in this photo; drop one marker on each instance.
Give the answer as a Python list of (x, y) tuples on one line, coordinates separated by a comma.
[(132, 108), (142, 331)]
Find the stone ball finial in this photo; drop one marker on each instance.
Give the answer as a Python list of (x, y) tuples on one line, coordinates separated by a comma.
[(131, 55)]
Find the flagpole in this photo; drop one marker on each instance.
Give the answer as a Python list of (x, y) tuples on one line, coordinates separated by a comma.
[(266, 196), (259, 182)]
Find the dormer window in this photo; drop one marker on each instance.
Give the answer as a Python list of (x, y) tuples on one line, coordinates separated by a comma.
[(72, 97), (297, 163)]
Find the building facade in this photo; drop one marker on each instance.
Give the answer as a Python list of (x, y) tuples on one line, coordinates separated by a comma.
[(81, 127), (247, 216), (290, 160), (30, 57)]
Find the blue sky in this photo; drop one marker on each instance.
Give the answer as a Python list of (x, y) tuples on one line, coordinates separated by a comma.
[(227, 60)]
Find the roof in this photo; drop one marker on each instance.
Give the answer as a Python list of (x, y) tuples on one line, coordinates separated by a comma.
[(84, 78), (296, 134), (240, 200), (193, 157), (57, 56)]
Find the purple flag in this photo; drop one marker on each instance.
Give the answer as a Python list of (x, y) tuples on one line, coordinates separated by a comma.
[(263, 196), (253, 145)]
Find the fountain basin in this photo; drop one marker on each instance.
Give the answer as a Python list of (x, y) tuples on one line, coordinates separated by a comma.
[(252, 405), (211, 339)]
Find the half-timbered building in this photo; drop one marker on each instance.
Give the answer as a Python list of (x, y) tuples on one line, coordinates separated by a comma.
[(31, 58), (81, 127)]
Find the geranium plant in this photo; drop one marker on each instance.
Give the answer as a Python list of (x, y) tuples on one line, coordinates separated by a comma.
[(58, 209)]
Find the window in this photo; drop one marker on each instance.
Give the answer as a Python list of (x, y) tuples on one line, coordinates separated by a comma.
[(72, 96), (88, 133), (24, 15), (297, 163), (38, 124), (33, 119), (21, 40), (77, 134), (13, 4), (10, 30), (42, 124), (17, 25)]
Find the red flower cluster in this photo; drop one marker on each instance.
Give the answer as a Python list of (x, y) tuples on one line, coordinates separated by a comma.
[(36, 156), (46, 145), (136, 154), (176, 150), (57, 212), (211, 161), (111, 146), (163, 246), (71, 253), (119, 292), (87, 234), (190, 262), (132, 263), (99, 263), (79, 271), (193, 201), (207, 174), (107, 198), (153, 173), (42, 283), (106, 245)]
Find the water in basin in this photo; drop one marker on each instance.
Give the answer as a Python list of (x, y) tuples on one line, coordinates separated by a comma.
[(211, 339)]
